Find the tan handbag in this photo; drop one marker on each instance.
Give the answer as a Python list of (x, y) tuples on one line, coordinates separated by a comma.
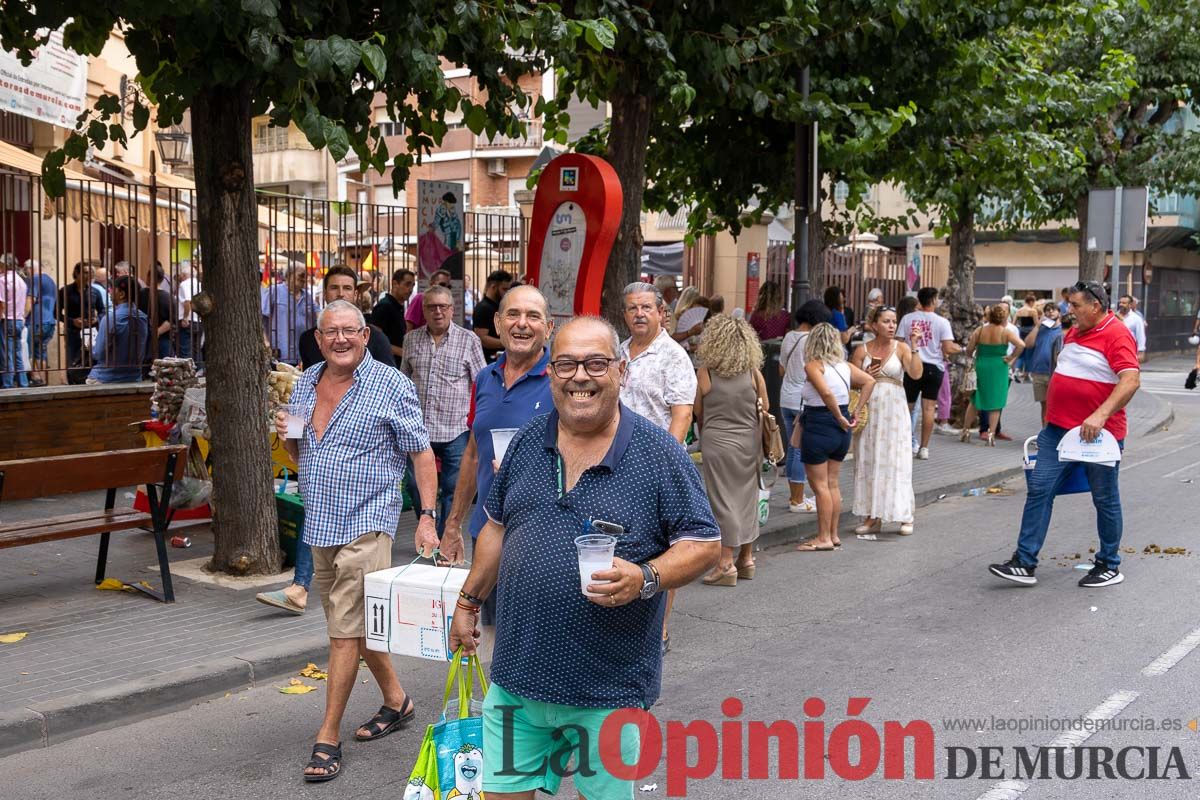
[(772, 440)]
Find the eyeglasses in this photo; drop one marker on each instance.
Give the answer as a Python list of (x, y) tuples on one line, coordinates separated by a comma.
[(1096, 290), (332, 333), (594, 366), (440, 308)]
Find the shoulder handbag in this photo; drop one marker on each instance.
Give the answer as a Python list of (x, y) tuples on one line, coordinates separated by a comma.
[(860, 411), (768, 428), (970, 381)]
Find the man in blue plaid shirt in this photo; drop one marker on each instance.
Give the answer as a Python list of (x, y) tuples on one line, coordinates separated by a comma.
[(365, 423)]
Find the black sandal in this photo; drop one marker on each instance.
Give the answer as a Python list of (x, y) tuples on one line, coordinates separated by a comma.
[(332, 764), (388, 720)]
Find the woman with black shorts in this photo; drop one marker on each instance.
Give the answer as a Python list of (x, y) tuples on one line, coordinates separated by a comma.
[(828, 422)]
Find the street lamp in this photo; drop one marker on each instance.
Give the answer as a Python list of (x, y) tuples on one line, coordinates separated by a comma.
[(173, 144)]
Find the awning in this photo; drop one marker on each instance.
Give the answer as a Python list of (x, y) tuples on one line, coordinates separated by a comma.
[(123, 206), (25, 161), (285, 232), (662, 259), (142, 174)]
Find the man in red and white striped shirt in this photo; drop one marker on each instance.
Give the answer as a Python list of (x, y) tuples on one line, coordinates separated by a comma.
[(1096, 376)]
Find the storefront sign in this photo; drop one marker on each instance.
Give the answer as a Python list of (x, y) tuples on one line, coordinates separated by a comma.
[(753, 278)]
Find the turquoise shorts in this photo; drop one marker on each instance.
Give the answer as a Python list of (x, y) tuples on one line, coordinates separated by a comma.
[(542, 741)]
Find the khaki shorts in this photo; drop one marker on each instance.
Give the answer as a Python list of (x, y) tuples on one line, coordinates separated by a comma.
[(338, 572), (1040, 384)]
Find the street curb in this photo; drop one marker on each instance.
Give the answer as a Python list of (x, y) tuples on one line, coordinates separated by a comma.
[(20, 729), (781, 530), (42, 725), (45, 724)]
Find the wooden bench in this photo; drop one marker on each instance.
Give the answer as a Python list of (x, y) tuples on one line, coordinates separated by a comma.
[(156, 467)]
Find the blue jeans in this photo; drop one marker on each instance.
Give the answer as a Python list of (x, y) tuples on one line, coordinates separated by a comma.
[(10, 353), (304, 566), (190, 344), (39, 339), (794, 466), (1048, 476), (450, 455)]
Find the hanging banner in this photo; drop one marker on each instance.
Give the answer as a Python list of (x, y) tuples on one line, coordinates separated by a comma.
[(53, 88), (441, 238), (753, 278), (912, 276)]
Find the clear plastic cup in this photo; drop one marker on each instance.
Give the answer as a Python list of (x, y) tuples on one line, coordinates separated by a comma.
[(501, 437), (297, 417), (595, 555)]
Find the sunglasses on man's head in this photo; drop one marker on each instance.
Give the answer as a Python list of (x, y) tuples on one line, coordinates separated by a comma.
[(1093, 288)]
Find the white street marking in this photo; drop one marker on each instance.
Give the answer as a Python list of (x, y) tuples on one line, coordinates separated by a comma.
[(1172, 474), (1126, 468), (1110, 708), (1177, 653)]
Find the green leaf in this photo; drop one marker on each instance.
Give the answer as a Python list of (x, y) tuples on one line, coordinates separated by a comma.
[(261, 8), (54, 182), (319, 58), (336, 139), (346, 54), (97, 133), (761, 101), (600, 34), (374, 59), (476, 119), (141, 116)]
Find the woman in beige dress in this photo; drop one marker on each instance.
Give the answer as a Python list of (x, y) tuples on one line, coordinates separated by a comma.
[(728, 383)]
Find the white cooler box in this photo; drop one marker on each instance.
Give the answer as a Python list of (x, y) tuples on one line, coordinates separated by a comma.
[(409, 609)]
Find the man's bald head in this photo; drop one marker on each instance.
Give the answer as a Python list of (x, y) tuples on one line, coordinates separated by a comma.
[(589, 324), (524, 293)]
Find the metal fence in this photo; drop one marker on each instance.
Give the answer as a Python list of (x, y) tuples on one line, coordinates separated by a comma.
[(857, 272), (63, 254)]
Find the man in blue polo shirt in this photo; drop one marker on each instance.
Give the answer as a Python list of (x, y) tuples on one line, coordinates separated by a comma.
[(564, 661), (507, 394)]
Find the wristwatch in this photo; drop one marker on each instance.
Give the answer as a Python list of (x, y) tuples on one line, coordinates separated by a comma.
[(430, 512), (649, 581)]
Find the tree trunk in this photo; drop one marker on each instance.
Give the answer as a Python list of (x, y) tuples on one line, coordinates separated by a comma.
[(1091, 265), (960, 295), (628, 138), (244, 524), (816, 252)]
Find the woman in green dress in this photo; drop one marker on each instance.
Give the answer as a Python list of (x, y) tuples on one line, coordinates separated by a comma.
[(991, 345)]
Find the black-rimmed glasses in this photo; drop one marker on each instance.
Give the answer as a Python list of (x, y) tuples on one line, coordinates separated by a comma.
[(594, 366)]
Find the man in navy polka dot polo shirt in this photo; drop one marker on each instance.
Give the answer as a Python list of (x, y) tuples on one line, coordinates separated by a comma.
[(563, 661)]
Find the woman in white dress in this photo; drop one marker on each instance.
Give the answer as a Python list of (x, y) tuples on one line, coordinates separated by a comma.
[(883, 462)]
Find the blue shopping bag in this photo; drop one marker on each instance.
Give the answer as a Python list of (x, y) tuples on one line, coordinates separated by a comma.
[(1076, 482), (450, 762), (458, 738)]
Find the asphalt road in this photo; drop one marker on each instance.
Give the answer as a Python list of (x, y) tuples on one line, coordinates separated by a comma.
[(916, 624)]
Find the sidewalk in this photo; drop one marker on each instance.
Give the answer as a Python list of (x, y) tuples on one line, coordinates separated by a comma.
[(94, 659)]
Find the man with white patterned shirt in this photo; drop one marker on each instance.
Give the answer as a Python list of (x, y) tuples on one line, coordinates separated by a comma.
[(442, 359), (660, 381), (365, 423)]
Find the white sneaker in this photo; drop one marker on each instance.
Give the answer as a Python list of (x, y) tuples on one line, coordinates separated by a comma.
[(946, 429), (807, 507), (923, 454), (906, 529)]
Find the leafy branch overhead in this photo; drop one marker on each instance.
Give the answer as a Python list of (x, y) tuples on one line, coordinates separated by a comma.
[(318, 64)]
